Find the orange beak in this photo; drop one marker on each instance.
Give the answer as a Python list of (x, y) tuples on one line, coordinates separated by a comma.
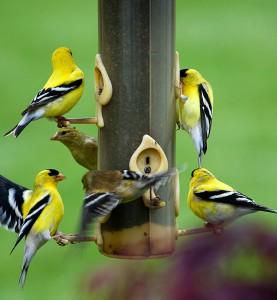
[(60, 177), (55, 137)]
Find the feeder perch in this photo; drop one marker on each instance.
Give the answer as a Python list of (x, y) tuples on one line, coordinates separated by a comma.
[(102, 88)]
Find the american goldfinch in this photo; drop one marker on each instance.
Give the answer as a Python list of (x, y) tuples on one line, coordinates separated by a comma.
[(216, 202), (58, 96), (83, 147), (35, 215), (105, 190), (196, 109)]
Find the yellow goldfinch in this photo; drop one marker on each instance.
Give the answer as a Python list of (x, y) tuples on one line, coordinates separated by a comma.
[(105, 190), (196, 109), (58, 96), (83, 147), (216, 202), (36, 214)]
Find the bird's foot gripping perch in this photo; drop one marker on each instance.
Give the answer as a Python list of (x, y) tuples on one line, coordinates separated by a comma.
[(65, 239), (65, 122), (154, 202), (217, 229), (62, 122), (60, 240)]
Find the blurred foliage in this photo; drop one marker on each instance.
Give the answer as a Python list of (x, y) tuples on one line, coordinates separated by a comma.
[(232, 43), (240, 264)]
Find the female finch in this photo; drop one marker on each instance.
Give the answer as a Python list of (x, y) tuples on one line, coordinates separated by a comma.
[(105, 190), (84, 148)]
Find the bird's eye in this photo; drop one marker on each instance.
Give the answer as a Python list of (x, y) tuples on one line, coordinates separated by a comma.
[(63, 132)]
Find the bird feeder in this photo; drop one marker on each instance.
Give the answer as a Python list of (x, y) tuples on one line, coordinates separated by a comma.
[(137, 49), (136, 87)]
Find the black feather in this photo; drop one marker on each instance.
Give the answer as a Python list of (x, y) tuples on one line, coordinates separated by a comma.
[(183, 73), (11, 202), (233, 198), (53, 172), (46, 96), (97, 205), (205, 115)]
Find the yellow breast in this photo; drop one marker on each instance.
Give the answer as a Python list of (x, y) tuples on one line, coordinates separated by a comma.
[(190, 109)]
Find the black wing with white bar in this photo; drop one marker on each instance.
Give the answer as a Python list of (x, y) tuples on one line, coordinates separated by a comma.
[(12, 197), (97, 205), (46, 96), (233, 198), (206, 114), (31, 218)]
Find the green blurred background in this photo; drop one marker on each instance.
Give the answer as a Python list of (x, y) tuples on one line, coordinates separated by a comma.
[(232, 43)]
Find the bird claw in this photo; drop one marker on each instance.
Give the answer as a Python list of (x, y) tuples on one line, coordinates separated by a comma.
[(217, 229), (61, 240), (65, 239), (154, 202), (62, 122)]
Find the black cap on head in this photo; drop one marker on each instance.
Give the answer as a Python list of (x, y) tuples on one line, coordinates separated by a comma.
[(53, 172), (183, 73)]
